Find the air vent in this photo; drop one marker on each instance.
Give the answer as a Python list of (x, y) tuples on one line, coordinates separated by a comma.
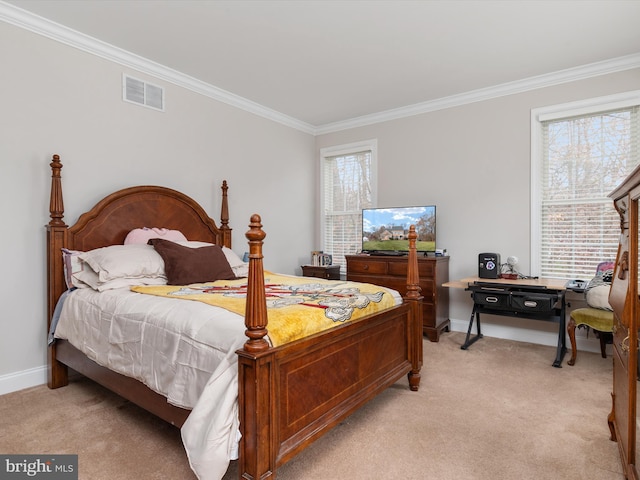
[(142, 93)]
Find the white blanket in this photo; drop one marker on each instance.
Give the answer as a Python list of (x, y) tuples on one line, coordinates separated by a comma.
[(182, 350)]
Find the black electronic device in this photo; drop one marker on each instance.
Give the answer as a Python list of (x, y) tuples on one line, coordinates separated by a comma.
[(387, 229), (489, 265), (576, 285)]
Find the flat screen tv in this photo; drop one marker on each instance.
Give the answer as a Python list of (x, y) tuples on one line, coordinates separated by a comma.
[(386, 230)]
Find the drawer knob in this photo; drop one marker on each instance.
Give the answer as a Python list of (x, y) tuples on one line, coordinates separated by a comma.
[(366, 267)]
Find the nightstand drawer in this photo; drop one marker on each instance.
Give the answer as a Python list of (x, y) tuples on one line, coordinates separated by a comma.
[(328, 272)]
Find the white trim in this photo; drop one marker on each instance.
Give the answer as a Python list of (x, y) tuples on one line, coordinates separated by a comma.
[(553, 112), (34, 23), (355, 147), (346, 149), (556, 78), (537, 337), (13, 382), (535, 164), (585, 107)]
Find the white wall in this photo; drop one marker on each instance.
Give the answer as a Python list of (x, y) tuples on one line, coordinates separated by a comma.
[(473, 162), (57, 99)]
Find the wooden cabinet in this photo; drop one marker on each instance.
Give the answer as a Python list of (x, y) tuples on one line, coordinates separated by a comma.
[(624, 300), (391, 272), (329, 272)]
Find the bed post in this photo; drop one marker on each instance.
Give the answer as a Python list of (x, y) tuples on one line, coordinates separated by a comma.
[(256, 382), (224, 217), (57, 375), (415, 302)]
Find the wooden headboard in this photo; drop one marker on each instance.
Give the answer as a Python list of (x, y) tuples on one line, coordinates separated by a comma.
[(110, 220)]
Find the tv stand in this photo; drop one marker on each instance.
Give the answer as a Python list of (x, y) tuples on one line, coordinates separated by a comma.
[(391, 271)]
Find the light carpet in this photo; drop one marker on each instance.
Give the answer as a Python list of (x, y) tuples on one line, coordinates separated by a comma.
[(498, 410)]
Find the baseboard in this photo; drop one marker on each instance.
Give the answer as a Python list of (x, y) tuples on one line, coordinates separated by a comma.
[(591, 344), (13, 382)]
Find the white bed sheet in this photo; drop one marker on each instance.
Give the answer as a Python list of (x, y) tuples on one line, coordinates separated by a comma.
[(184, 350)]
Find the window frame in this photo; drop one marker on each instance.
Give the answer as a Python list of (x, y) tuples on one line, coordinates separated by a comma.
[(370, 145), (590, 106)]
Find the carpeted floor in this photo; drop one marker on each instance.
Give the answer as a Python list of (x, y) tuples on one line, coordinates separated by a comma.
[(495, 411)]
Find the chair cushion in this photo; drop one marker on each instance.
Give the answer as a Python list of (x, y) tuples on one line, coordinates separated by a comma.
[(601, 320)]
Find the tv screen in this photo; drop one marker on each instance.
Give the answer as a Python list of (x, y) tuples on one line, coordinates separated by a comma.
[(386, 230)]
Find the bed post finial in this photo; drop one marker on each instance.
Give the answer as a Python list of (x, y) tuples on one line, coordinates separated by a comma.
[(57, 375), (413, 280), (414, 299), (56, 205), (256, 312), (224, 216)]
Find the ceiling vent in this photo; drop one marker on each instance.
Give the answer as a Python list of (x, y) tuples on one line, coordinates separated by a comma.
[(142, 93)]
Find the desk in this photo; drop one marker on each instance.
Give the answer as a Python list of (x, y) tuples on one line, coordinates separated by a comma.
[(538, 299)]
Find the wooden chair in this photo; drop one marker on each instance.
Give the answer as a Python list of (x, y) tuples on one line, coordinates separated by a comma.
[(599, 320)]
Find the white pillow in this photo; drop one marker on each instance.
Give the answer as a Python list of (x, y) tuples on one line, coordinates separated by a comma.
[(72, 265), (598, 297), (135, 261), (233, 259), (89, 279)]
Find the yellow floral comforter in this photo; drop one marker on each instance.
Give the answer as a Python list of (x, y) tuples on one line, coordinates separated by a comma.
[(296, 306)]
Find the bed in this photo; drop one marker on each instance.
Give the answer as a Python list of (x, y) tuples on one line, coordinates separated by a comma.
[(287, 396)]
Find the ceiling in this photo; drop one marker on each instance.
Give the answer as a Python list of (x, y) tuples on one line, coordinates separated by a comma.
[(322, 62)]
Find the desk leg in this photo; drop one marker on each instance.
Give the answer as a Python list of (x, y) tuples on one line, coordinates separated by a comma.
[(469, 341), (562, 335)]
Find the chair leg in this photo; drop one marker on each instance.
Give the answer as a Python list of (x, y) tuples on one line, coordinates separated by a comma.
[(571, 330), (603, 344)]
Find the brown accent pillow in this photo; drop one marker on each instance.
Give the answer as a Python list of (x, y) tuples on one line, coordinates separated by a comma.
[(186, 265)]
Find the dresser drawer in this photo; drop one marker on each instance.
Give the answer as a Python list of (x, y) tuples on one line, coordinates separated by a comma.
[(427, 286), (368, 266), (425, 270)]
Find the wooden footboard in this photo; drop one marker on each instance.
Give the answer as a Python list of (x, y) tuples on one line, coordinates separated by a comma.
[(291, 395)]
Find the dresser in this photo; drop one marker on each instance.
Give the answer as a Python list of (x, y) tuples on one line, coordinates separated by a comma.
[(623, 297), (391, 272)]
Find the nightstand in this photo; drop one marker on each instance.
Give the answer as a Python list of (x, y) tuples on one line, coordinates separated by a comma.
[(329, 272)]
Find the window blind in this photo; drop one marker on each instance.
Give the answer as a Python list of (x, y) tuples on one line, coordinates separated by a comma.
[(347, 189), (584, 159)]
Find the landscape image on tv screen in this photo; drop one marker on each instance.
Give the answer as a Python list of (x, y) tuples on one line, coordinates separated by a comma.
[(387, 229)]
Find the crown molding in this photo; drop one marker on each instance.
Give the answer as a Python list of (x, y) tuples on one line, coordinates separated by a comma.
[(42, 26), (47, 28), (619, 64)]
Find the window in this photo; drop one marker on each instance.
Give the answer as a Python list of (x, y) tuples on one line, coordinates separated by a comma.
[(348, 174), (580, 153)]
